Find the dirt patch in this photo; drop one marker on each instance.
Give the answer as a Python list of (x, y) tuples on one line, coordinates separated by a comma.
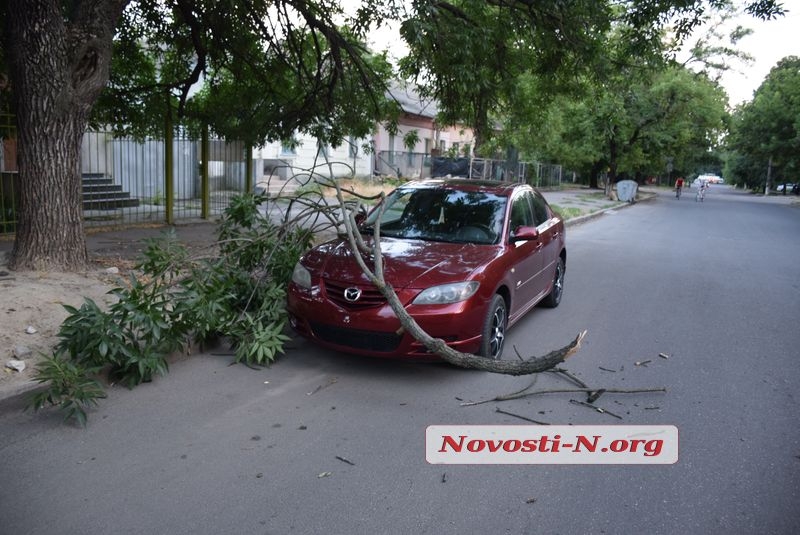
[(31, 312)]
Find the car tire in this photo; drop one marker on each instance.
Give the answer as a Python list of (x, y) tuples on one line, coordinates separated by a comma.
[(494, 329), (554, 297)]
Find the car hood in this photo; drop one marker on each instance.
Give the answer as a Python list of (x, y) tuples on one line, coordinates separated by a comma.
[(407, 263)]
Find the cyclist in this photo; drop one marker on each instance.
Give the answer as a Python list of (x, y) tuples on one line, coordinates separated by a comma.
[(678, 187), (701, 193)]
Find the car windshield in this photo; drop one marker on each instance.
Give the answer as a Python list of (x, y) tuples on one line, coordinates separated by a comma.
[(439, 214)]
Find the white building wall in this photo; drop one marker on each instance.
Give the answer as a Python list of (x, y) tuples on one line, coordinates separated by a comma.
[(307, 160)]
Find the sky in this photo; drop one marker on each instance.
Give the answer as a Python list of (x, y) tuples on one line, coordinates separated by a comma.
[(770, 42)]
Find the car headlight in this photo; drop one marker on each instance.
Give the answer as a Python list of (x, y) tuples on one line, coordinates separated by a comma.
[(447, 293), (301, 276)]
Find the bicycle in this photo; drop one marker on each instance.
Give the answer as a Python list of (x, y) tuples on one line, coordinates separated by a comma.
[(700, 195), (678, 193)]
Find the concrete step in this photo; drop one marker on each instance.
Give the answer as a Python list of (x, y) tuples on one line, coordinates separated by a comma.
[(110, 204), (101, 193)]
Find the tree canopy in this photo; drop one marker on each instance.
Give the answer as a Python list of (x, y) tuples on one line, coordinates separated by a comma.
[(470, 54), (765, 133), (629, 115), (268, 70)]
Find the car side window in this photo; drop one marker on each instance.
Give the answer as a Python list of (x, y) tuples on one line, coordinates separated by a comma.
[(396, 206), (521, 212), (539, 209)]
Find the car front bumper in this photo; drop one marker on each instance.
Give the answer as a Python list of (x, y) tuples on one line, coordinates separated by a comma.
[(376, 331)]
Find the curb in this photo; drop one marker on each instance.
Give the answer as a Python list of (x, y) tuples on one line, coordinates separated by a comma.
[(17, 394), (644, 197)]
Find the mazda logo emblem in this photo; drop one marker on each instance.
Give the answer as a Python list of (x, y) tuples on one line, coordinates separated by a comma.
[(352, 294)]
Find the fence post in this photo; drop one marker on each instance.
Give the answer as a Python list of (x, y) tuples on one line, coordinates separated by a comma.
[(169, 152), (248, 168), (205, 193)]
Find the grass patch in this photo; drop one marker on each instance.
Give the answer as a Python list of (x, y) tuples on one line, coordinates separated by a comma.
[(599, 196), (567, 213)]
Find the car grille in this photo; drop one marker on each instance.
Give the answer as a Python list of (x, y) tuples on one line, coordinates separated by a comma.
[(370, 296), (355, 338)]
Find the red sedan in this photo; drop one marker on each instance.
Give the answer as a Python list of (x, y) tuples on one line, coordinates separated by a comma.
[(467, 258)]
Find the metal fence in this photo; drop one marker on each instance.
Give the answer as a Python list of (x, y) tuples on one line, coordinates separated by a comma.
[(9, 190), (418, 165), (536, 174), (129, 181), (402, 164)]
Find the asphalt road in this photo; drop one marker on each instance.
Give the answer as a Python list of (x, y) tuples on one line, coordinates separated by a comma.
[(328, 443)]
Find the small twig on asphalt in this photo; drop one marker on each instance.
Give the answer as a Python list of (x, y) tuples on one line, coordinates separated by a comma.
[(566, 373), (642, 362), (501, 411), (663, 355), (348, 461), (598, 409), (607, 370), (320, 387), (593, 396)]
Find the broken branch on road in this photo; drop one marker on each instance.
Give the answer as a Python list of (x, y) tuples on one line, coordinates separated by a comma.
[(566, 391)]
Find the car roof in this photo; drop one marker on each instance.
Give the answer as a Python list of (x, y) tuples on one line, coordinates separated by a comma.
[(467, 184)]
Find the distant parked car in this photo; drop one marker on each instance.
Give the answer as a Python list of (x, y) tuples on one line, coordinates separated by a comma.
[(710, 179), (785, 187), (466, 258)]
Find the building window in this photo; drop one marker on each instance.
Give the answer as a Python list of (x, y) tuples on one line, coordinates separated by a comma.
[(288, 149), (391, 148)]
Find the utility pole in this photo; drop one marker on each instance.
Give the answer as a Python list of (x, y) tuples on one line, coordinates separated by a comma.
[(669, 170)]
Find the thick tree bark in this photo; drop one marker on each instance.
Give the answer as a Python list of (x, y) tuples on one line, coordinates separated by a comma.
[(59, 63), (597, 167)]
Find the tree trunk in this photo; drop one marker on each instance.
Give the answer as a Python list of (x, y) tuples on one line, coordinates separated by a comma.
[(59, 63), (597, 167), (613, 155)]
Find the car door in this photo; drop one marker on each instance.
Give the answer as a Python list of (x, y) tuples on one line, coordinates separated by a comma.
[(525, 257), (549, 240)]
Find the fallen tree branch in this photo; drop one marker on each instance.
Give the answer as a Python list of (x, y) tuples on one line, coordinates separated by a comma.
[(565, 391)]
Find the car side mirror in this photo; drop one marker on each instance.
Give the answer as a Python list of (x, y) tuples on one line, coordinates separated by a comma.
[(523, 233)]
